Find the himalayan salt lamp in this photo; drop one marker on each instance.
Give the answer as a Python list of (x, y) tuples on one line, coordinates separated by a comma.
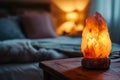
[(96, 43)]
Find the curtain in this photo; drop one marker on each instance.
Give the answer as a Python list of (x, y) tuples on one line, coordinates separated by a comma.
[(110, 10)]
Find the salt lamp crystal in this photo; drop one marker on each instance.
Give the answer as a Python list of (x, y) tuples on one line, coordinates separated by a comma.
[(96, 41)]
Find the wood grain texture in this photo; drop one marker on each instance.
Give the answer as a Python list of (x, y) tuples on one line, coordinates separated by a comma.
[(71, 69)]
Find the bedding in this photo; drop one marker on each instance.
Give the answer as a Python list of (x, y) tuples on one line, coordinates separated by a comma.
[(27, 71), (34, 50), (23, 56)]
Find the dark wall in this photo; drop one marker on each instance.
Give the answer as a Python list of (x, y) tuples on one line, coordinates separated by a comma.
[(44, 1), (13, 6)]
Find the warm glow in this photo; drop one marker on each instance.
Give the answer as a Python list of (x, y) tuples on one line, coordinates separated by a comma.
[(65, 5), (69, 16), (79, 27), (71, 5), (96, 42), (81, 4), (73, 16), (65, 27)]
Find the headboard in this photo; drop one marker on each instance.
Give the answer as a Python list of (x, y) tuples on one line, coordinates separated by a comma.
[(13, 7)]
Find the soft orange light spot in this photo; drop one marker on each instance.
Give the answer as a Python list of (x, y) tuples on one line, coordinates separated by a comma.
[(73, 16), (81, 4), (96, 42), (71, 5), (66, 27), (65, 5), (79, 27)]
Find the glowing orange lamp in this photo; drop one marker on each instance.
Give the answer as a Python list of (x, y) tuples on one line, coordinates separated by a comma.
[(96, 43)]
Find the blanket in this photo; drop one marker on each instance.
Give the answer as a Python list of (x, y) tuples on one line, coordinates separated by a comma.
[(34, 50)]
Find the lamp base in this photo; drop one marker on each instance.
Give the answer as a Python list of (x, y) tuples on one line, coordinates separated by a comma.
[(96, 63)]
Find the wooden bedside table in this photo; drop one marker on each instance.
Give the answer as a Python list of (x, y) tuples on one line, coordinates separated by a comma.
[(70, 69)]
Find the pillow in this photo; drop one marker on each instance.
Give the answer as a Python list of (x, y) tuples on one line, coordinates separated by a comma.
[(38, 25), (10, 29)]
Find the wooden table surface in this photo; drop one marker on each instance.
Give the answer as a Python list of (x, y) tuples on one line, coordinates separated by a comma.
[(71, 69)]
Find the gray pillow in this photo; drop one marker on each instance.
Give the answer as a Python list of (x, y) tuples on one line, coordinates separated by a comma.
[(38, 25), (10, 29)]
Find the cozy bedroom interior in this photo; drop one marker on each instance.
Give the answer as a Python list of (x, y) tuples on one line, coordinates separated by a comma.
[(32, 31)]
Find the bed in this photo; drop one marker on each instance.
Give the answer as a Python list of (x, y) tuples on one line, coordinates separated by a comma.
[(20, 55)]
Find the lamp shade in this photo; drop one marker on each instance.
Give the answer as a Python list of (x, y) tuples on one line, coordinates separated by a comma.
[(69, 15), (71, 5)]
